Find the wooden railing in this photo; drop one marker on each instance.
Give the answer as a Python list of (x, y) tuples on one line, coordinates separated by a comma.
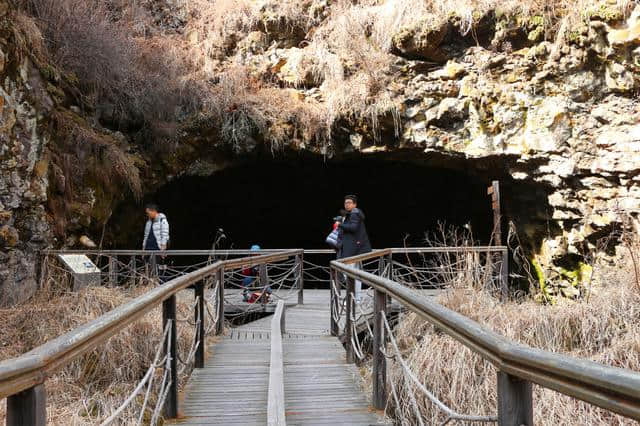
[(386, 262), (275, 404), (22, 379), (614, 389)]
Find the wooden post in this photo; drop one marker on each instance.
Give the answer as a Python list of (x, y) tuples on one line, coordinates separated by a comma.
[(134, 269), (283, 322), (494, 191), (379, 373), (504, 274), (300, 264), (200, 316), (220, 319), (169, 314), (146, 269), (515, 401), (351, 286), (390, 261), (28, 408), (113, 271), (264, 281), (39, 267), (334, 297), (381, 266), (153, 273)]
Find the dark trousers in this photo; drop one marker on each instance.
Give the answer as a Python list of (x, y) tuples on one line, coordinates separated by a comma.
[(157, 266)]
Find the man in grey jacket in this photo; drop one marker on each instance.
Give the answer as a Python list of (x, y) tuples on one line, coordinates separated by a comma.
[(156, 237), (159, 238)]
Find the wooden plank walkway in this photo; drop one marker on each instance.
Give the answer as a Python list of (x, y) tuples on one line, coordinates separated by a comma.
[(320, 387)]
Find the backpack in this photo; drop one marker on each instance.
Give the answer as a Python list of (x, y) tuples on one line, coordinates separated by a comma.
[(258, 297)]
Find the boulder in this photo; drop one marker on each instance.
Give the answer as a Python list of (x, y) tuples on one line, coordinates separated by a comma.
[(547, 127), (8, 236), (619, 78), (421, 40), (618, 150)]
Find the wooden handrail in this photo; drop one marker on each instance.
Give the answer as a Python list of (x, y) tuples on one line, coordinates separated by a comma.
[(32, 368), (366, 256), (275, 404), (447, 249), (221, 252), (243, 252), (612, 388)]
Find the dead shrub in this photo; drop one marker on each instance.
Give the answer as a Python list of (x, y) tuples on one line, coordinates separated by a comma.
[(110, 66), (97, 156), (248, 109), (88, 390), (602, 328)]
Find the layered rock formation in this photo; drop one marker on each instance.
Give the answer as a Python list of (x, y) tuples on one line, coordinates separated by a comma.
[(24, 225), (501, 93)]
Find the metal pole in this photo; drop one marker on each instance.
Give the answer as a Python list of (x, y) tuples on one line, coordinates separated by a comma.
[(515, 401), (379, 373), (351, 285), (220, 319), (200, 316), (169, 314), (28, 408)]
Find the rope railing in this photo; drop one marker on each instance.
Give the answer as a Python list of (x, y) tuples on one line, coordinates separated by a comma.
[(138, 266), (518, 366), (146, 380), (411, 377), (22, 379)]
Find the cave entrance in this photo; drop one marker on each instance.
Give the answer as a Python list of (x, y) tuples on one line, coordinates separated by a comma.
[(290, 203)]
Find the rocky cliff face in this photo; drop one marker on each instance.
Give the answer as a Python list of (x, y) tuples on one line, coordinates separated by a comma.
[(562, 113), (557, 109), (24, 139)]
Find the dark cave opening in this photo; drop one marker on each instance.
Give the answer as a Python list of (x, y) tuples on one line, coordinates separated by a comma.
[(290, 204)]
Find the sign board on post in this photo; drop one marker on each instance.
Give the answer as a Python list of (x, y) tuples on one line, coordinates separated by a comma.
[(84, 271)]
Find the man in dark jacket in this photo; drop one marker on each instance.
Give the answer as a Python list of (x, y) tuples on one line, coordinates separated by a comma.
[(353, 234)]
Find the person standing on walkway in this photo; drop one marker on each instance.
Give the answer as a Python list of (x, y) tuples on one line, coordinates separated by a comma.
[(156, 237), (353, 234)]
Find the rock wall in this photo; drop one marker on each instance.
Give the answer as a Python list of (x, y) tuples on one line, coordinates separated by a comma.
[(498, 97), (564, 115), (24, 226)]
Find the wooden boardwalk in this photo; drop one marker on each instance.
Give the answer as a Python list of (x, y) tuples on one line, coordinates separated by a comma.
[(319, 386)]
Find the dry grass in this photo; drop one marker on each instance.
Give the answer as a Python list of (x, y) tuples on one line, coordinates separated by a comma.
[(96, 157), (602, 327), (90, 388), (347, 50), (124, 53), (248, 109)]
